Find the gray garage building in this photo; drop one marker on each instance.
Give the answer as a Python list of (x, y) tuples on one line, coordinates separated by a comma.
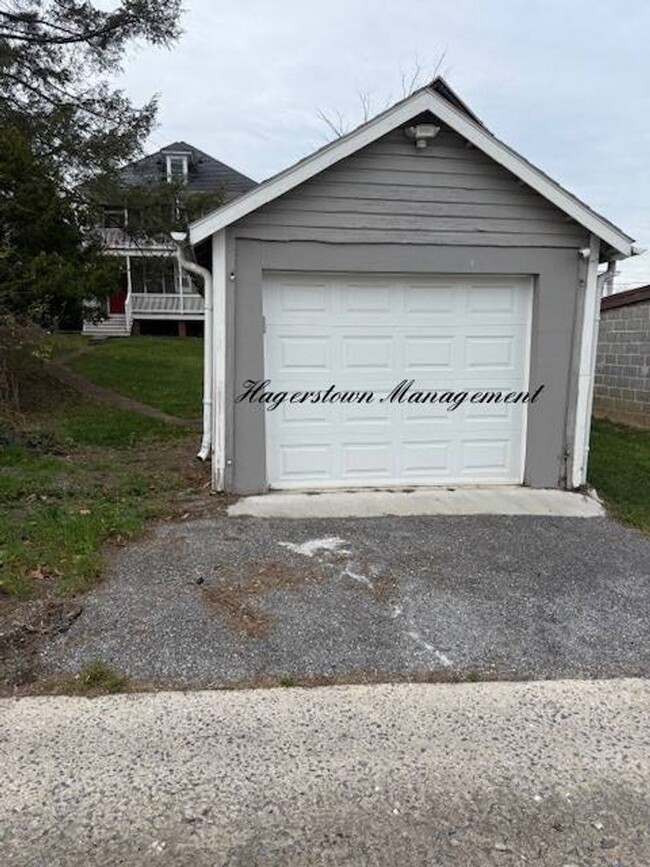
[(385, 310)]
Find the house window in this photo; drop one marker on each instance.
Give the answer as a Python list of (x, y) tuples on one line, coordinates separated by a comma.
[(114, 218), (177, 168), (153, 275)]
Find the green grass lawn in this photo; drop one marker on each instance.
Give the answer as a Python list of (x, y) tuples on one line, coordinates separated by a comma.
[(619, 469), (165, 372), (75, 473)]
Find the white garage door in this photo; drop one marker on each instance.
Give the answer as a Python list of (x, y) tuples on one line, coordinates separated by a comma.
[(361, 333)]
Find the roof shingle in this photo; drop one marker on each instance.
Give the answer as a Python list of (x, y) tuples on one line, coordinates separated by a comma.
[(206, 174)]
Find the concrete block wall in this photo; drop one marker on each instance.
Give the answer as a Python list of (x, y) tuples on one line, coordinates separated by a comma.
[(622, 387)]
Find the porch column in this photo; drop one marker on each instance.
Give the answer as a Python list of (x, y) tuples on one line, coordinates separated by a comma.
[(179, 272), (128, 304)]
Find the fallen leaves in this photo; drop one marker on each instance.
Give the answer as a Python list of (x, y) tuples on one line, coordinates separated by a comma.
[(42, 573)]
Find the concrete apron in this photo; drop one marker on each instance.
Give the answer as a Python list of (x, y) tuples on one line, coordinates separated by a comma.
[(501, 500)]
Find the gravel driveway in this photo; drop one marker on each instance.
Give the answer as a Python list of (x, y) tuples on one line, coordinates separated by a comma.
[(245, 601)]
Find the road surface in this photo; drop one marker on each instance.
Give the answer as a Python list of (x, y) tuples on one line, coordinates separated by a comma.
[(553, 773)]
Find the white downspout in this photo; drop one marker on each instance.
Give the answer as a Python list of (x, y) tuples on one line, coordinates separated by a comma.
[(219, 361), (204, 273), (608, 281)]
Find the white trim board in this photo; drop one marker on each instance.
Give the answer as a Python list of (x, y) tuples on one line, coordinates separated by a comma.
[(399, 114), (588, 340), (219, 290)]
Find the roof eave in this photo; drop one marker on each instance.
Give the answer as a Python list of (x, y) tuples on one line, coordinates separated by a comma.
[(400, 113), (309, 166)]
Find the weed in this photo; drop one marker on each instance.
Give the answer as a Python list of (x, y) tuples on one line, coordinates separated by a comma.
[(95, 679)]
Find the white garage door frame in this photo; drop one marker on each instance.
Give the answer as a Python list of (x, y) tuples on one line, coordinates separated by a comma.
[(523, 286)]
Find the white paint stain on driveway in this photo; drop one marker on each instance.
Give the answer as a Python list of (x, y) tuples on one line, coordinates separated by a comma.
[(441, 657), (314, 546), (334, 544), (358, 577)]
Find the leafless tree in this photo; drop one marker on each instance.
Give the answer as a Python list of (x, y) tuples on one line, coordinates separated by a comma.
[(410, 81)]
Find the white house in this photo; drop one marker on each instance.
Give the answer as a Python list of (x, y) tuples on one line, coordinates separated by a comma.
[(155, 297)]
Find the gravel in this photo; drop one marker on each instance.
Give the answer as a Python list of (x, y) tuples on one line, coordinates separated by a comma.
[(246, 601)]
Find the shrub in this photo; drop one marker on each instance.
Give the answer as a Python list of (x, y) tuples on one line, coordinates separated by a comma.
[(22, 348)]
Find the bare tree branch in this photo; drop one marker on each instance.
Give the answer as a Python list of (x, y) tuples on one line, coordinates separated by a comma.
[(365, 100), (410, 81), (335, 124), (438, 68)]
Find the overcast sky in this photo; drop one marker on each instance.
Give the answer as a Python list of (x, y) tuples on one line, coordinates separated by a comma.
[(564, 82)]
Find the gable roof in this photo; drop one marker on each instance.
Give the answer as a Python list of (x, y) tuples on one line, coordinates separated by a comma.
[(206, 173), (439, 85), (441, 101)]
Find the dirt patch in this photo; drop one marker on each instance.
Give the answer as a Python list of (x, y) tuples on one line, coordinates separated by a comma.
[(369, 677), (382, 589), (238, 601), (60, 685), (24, 626), (42, 393), (368, 579)]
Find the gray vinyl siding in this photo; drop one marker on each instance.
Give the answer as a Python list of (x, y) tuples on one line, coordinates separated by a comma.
[(388, 192)]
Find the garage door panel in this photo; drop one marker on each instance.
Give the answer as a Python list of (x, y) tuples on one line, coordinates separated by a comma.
[(430, 301), (294, 298), (375, 413), (301, 462), (423, 353), (426, 414), (491, 302), (292, 354), (306, 413), (311, 298), (363, 353), (426, 457), (508, 414), (367, 459), (488, 352), (369, 333), (365, 299), (485, 456)]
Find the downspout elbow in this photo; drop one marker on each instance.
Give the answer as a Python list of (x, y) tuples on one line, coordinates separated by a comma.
[(204, 450)]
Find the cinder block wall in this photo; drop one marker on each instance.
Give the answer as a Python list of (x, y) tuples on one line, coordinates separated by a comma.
[(622, 390)]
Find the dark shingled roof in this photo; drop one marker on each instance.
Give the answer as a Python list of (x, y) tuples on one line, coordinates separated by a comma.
[(624, 299), (439, 85), (205, 173)]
